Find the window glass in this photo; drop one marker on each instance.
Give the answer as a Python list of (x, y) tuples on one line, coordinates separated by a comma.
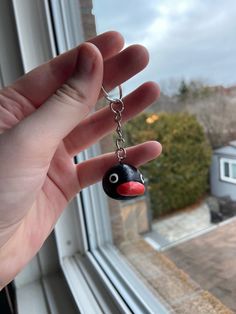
[(233, 170), (169, 234), (226, 169)]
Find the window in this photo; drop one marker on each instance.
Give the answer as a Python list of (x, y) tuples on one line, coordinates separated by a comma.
[(228, 170), (79, 257), (113, 257), (177, 237)]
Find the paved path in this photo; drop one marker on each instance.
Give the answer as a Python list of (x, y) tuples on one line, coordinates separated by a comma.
[(210, 260), (181, 225)]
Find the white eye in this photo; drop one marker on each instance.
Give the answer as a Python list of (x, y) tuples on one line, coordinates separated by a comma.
[(113, 178), (141, 177)]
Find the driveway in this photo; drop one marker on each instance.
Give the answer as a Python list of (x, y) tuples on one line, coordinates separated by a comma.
[(210, 260)]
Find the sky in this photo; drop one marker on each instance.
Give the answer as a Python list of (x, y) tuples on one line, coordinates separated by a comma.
[(186, 39)]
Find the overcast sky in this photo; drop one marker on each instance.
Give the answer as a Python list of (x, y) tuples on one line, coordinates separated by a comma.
[(186, 39)]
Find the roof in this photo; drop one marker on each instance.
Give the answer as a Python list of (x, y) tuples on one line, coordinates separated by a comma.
[(227, 150), (231, 91)]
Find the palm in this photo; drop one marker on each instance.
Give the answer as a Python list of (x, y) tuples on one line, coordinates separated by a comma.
[(45, 122), (47, 192), (59, 184)]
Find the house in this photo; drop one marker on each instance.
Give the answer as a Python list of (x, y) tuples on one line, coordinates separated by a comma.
[(223, 171)]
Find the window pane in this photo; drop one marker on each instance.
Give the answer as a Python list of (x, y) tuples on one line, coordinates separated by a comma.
[(233, 171), (226, 169), (169, 234)]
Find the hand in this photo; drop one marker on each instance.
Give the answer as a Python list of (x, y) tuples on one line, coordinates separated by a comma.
[(44, 121)]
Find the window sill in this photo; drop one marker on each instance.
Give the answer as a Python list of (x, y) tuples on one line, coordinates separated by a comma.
[(108, 285), (49, 295)]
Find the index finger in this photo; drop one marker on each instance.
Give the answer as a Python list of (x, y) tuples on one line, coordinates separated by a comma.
[(39, 84)]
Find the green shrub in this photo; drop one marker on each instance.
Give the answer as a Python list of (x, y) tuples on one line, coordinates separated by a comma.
[(179, 177)]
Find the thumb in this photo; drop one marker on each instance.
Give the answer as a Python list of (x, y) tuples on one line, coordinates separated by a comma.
[(52, 121)]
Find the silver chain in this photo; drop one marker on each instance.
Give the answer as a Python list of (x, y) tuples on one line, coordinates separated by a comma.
[(117, 107)]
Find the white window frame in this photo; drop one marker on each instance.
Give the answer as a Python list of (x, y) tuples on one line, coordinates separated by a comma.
[(230, 162), (81, 248)]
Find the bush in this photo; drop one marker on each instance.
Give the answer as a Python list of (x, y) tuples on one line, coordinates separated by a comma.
[(179, 177)]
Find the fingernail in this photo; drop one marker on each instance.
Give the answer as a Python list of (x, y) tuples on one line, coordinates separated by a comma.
[(85, 60)]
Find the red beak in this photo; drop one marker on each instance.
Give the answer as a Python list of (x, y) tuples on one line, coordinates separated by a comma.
[(131, 188)]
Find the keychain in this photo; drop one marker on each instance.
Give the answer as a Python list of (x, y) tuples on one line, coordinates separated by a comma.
[(122, 181)]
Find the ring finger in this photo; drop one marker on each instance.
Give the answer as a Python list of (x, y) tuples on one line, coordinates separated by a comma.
[(101, 122)]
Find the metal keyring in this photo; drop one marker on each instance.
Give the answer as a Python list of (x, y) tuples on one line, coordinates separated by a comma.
[(114, 100), (117, 106)]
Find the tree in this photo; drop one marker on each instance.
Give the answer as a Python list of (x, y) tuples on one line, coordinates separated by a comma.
[(217, 114), (179, 177), (183, 91)]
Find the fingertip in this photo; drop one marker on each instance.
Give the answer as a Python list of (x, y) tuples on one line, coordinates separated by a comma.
[(151, 150), (140, 53), (89, 62), (90, 49), (109, 43), (143, 96), (155, 147), (155, 88), (143, 153), (116, 37), (152, 88)]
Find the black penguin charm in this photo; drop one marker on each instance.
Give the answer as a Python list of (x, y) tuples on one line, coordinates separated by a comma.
[(123, 182)]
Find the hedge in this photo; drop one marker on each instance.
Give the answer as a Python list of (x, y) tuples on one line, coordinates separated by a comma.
[(179, 177)]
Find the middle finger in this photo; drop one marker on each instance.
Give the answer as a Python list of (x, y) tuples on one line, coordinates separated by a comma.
[(124, 65), (100, 123)]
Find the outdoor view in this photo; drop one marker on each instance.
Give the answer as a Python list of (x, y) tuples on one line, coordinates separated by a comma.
[(180, 236)]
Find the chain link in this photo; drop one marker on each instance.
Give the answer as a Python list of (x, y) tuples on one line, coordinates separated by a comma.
[(117, 107)]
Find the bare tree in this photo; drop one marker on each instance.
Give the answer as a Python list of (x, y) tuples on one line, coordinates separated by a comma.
[(214, 107), (217, 114)]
